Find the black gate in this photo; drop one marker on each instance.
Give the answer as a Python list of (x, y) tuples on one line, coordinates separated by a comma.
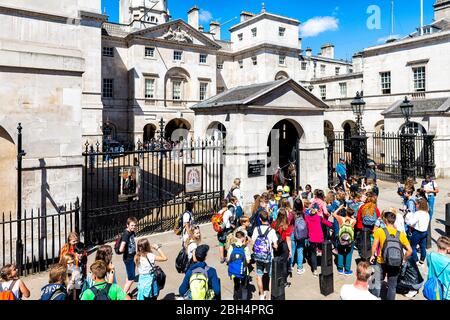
[(149, 184)]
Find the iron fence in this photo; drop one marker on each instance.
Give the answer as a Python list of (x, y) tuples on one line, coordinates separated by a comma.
[(34, 241)]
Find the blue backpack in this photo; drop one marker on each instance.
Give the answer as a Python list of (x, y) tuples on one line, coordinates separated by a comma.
[(261, 249), (301, 230), (236, 265), (433, 289), (369, 221)]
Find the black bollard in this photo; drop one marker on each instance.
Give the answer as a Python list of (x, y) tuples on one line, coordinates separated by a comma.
[(429, 236), (279, 265), (366, 247), (447, 219), (326, 280)]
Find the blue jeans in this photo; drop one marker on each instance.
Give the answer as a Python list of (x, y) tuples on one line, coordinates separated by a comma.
[(419, 238), (294, 248), (431, 204), (300, 246), (130, 268), (345, 254)]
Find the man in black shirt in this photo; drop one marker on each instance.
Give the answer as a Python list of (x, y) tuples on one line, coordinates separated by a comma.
[(128, 248)]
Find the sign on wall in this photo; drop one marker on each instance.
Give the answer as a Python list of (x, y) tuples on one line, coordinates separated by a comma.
[(256, 168), (129, 183), (193, 176)]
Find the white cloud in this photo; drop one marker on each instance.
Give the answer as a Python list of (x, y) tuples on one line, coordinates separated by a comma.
[(384, 39), (317, 25), (205, 16)]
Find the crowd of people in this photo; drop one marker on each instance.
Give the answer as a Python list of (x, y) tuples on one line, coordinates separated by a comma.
[(284, 232)]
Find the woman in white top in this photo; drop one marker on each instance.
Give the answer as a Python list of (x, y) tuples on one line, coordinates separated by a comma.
[(145, 262), (10, 282), (419, 222), (193, 242)]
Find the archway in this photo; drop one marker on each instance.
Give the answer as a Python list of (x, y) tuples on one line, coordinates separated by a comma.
[(283, 143), (8, 157), (348, 127), (177, 129), (149, 132), (281, 75), (379, 127), (217, 130), (413, 128), (328, 130)]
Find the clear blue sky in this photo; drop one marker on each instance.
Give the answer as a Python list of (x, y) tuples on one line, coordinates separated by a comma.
[(343, 21)]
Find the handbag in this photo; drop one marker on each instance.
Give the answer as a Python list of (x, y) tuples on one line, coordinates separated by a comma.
[(158, 274)]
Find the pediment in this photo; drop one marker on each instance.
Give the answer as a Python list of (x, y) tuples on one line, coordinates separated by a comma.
[(177, 32)]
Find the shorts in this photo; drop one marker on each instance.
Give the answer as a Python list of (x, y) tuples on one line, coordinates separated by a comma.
[(262, 268), (130, 267), (222, 237)]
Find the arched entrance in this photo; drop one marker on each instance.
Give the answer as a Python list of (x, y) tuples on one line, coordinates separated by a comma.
[(217, 131), (281, 75), (328, 130), (348, 127), (149, 132), (177, 129), (283, 158), (8, 157), (413, 128)]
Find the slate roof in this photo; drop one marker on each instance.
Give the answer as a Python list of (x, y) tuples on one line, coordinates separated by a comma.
[(421, 107), (245, 94)]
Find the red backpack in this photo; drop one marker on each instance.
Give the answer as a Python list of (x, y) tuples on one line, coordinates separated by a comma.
[(7, 294), (217, 220)]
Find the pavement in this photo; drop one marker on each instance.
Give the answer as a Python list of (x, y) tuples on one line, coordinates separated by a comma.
[(304, 287)]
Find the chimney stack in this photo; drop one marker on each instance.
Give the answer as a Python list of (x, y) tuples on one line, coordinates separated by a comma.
[(327, 51), (308, 52), (214, 28), (193, 17), (442, 10), (246, 16)]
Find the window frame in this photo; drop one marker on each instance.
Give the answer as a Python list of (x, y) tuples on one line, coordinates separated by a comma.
[(153, 49), (240, 36), (175, 55), (323, 69), (254, 32), (145, 88), (337, 71), (108, 52), (282, 60), (255, 60), (109, 87), (180, 82), (323, 93), (343, 85), (303, 65), (416, 80), (200, 58), (241, 64), (205, 85), (386, 86), (281, 31)]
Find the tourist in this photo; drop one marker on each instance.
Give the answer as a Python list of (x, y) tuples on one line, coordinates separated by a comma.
[(237, 193), (307, 194), (191, 243), (105, 254), (367, 216), (102, 290), (228, 225), (360, 289), (284, 248), (238, 259), (418, 222), (410, 200), (370, 171), (145, 261), (439, 265), (314, 223), (56, 288), (11, 282), (273, 207), (188, 220), (200, 281), (341, 171), (128, 248), (345, 238), (300, 236), (397, 242), (76, 280), (255, 220), (319, 199), (264, 241), (431, 189), (72, 240)]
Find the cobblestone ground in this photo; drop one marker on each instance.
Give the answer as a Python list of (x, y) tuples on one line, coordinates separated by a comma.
[(304, 287)]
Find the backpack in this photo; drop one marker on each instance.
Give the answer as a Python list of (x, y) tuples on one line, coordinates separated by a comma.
[(229, 194), (433, 289), (261, 248), (392, 251), (178, 227), (231, 239), (198, 284), (7, 294), (117, 244), (101, 294), (58, 293), (182, 261), (236, 266), (369, 221), (217, 220), (346, 234), (300, 229)]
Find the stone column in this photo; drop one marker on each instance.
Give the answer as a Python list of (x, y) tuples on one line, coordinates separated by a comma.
[(313, 165)]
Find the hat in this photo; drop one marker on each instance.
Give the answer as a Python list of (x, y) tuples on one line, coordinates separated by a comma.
[(371, 163), (279, 188), (286, 189), (341, 158), (201, 251)]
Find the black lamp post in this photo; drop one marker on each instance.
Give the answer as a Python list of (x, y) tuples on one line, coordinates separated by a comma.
[(407, 145), (359, 138)]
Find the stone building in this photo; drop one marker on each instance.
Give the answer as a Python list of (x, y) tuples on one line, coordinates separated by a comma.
[(50, 63)]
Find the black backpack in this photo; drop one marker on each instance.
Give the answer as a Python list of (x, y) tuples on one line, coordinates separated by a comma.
[(117, 244), (101, 294), (392, 251), (182, 261)]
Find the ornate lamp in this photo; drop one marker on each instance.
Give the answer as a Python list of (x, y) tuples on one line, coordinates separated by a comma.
[(407, 109), (358, 106)]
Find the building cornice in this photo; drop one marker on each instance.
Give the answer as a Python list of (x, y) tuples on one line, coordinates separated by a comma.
[(264, 15), (348, 76), (258, 47)]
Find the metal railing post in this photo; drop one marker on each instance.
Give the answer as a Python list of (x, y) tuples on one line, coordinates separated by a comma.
[(19, 245)]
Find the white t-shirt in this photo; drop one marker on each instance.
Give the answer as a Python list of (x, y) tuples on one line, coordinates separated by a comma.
[(419, 220), (350, 292), (15, 290), (190, 249), (272, 235), (144, 266), (227, 216), (399, 223), (430, 186), (187, 218), (237, 193)]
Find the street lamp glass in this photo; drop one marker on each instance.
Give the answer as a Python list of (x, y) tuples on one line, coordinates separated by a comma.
[(358, 105), (407, 108)]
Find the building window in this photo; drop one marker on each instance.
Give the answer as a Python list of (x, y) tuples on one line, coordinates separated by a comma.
[(343, 89), (350, 70), (255, 60), (419, 78), (385, 82), (203, 90), (240, 36), (322, 69), (323, 92), (220, 66), (281, 31), (241, 64), (282, 60), (220, 89), (203, 58), (337, 70), (108, 88), (177, 55), (303, 65), (108, 51), (149, 52), (254, 32), (176, 95), (149, 88)]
